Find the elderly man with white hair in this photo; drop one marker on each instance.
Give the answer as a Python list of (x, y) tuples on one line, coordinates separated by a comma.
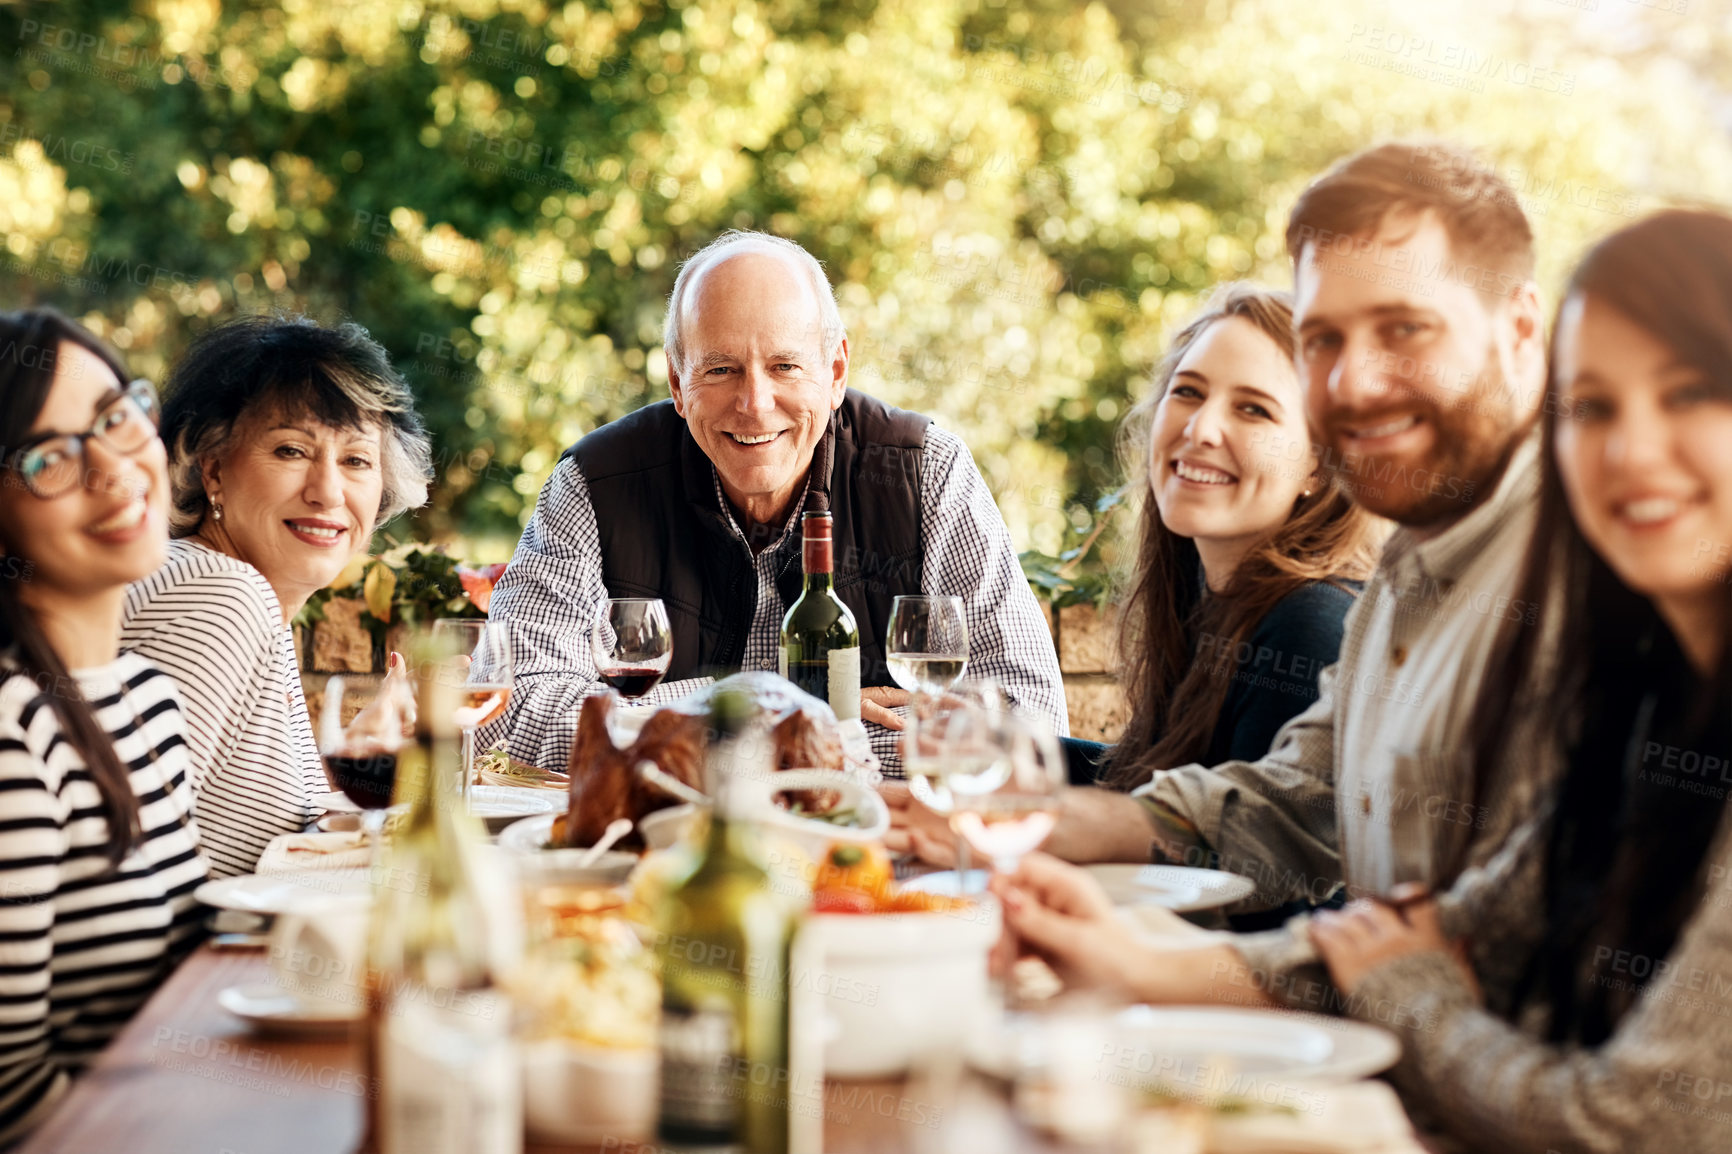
[(696, 500)]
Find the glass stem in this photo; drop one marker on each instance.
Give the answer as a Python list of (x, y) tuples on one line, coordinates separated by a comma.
[(962, 865), (468, 763), (373, 823)]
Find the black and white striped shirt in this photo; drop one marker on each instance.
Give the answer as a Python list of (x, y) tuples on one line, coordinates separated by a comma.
[(551, 591), (214, 624), (83, 945)]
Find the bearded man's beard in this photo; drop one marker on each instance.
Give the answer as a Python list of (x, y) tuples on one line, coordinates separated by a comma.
[(1474, 435)]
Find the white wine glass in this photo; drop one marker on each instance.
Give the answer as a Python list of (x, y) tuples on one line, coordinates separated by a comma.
[(926, 644), (1009, 813), (954, 745), (632, 645), (487, 687)]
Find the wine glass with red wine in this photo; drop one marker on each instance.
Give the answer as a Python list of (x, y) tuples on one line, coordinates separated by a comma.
[(361, 762), (632, 645)]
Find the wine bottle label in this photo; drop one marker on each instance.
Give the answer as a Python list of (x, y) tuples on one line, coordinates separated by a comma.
[(844, 687), (699, 1049), (451, 1079)]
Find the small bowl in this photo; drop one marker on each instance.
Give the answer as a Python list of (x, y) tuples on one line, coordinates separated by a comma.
[(814, 835), (587, 1095), (525, 841), (811, 835)]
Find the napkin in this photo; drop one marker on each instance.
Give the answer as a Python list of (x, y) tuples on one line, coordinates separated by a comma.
[(293, 852)]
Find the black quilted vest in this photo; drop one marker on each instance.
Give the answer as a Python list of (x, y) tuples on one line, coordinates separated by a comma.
[(664, 534)]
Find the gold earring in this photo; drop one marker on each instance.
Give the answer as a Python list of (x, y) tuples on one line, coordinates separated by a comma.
[(216, 510)]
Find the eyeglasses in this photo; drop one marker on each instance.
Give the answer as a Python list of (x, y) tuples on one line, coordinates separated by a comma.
[(52, 465)]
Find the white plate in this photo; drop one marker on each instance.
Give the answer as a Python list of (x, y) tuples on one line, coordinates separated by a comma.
[(943, 883), (528, 834), (1176, 888), (1199, 1046), (274, 1010), (276, 893), (1181, 889)]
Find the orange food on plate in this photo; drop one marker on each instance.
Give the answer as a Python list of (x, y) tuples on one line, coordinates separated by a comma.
[(857, 879)]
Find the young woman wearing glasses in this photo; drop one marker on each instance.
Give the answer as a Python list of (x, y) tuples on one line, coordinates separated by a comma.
[(98, 848)]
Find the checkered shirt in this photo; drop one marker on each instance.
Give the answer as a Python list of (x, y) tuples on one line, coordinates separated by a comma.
[(551, 593)]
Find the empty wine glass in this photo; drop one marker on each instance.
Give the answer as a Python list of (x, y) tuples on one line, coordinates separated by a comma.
[(632, 644), (926, 645), (487, 687)]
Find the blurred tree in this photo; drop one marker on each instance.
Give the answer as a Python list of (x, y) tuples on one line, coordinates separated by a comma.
[(1016, 198)]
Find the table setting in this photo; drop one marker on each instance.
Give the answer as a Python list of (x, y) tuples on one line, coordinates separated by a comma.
[(885, 978)]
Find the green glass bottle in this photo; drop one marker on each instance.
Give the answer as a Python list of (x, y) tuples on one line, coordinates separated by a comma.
[(820, 641), (440, 1031), (723, 944)]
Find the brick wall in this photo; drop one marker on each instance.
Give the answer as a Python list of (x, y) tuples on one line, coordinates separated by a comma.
[(1086, 656)]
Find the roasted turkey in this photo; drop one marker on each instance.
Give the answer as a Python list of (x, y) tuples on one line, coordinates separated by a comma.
[(605, 783)]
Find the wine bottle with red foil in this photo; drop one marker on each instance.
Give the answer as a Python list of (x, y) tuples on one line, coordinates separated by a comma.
[(820, 641)]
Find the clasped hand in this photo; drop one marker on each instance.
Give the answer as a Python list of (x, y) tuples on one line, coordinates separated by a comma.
[(1374, 932)]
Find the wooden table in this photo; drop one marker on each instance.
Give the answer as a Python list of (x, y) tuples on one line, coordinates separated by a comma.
[(185, 1077)]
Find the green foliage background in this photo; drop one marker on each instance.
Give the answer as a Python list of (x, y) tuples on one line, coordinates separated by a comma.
[(1016, 200)]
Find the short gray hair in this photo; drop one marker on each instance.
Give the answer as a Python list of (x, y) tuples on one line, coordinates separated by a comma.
[(339, 375), (729, 244)]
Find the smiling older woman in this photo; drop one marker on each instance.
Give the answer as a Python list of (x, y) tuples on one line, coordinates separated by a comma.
[(290, 443)]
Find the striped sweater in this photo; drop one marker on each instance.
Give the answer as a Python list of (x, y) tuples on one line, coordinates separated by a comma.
[(82, 945), (214, 624)]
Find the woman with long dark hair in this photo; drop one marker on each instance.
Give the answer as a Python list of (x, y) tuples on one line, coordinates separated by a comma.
[(1247, 557), (1242, 574), (98, 849), (1602, 935)]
